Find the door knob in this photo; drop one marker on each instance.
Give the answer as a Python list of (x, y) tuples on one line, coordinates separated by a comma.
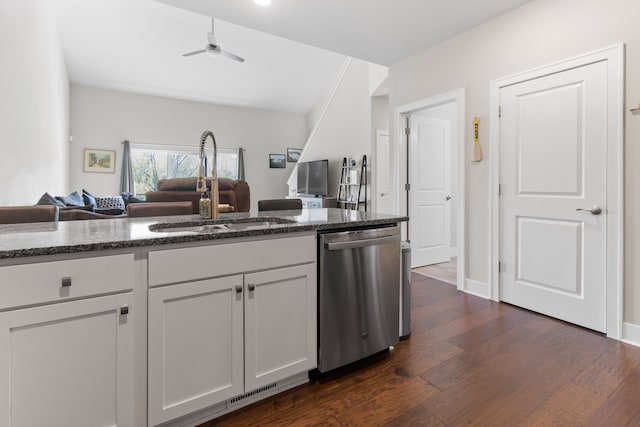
[(595, 210), (446, 199)]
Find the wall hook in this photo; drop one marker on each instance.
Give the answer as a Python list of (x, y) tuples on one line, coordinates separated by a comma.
[(477, 149)]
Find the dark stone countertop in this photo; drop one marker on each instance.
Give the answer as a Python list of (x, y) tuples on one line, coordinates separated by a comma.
[(36, 239)]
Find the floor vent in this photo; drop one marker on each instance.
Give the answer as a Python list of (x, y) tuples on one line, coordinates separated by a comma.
[(252, 393)]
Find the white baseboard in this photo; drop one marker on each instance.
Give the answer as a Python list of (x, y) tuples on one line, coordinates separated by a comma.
[(477, 288), (631, 334)]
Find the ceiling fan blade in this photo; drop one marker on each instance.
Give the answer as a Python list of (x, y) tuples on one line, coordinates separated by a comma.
[(195, 52), (231, 56)]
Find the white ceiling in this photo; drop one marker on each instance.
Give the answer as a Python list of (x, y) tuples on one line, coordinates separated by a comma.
[(137, 45)]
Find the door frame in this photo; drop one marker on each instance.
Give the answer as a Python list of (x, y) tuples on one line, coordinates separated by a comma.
[(400, 197), (614, 56)]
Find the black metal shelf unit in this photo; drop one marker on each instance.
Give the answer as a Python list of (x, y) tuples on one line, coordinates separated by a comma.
[(352, 190)]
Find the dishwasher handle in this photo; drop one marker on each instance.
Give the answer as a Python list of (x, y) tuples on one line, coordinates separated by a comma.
[(351, 244)]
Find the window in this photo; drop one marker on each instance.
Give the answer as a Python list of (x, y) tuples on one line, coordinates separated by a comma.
[(153, 163)]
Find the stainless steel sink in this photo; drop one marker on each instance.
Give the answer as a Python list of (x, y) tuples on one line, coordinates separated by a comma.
[(217, 226)]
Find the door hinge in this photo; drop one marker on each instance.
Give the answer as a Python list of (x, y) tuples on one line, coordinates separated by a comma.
[(407, 187), (500, 111), (499, 267), (407, 131), (499, 189)]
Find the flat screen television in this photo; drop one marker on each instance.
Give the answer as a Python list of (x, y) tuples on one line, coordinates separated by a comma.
[(313, 178)]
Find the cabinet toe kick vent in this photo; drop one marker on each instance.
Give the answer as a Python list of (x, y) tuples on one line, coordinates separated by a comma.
[(252, 393)]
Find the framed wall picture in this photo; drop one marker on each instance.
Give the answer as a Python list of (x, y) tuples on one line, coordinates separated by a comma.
[(99, 160), (277, 161), (293, 154)]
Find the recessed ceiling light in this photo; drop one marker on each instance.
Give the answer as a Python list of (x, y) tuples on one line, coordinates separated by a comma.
[(262, 2)]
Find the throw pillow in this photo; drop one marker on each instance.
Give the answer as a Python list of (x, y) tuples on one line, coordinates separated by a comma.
[(77, 208), (73, 199), (89, 199), (114, 202), (109, 211), (137, 199), (48, 199), (131, 198)]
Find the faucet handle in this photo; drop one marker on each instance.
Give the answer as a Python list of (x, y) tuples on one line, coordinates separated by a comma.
[(201, 186)]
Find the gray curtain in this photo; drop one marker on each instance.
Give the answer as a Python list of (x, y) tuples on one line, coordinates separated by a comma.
[(126, 178), (241, 164)]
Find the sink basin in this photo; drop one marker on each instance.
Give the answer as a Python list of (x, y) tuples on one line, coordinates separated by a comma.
[(216, 226), (206, 228)]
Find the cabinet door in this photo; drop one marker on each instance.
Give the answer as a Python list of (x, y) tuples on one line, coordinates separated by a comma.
[(195, 346), (280, 324), (67, 364)]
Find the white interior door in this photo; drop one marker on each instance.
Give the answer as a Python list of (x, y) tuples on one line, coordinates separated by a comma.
[(553, 139), (430, 193), (384, 202)]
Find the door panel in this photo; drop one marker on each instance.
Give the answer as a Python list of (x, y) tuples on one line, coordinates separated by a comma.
[(431, 233), (550, 144), (553, 161), (67, 364), (195, 346), (384, 175), (554, 267), (430, 209), (280, 324)]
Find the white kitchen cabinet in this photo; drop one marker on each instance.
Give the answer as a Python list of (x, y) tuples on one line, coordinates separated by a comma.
[(66, 347), (67, 364), (195, 346), (280, 324), (215, 340)]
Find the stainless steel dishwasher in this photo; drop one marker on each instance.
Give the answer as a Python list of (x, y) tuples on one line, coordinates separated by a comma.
[(358, 294)]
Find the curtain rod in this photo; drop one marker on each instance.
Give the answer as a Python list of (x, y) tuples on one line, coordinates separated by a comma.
[(176, 145)]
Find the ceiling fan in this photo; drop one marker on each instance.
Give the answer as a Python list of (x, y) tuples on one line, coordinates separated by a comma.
[(213, 49)]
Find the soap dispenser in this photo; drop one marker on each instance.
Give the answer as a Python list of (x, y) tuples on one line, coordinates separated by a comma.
[(205, 206)]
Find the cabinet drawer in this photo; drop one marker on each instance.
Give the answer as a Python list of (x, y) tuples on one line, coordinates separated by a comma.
[(181, 265), (45, 282)]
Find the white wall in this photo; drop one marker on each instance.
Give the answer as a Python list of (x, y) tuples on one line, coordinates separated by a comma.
[(345, 129), (538, 33), (102, 119), (379, 113), (34, 99), (316, 114)]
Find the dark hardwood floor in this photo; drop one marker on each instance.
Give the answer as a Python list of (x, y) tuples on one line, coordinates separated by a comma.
[(470, 361)]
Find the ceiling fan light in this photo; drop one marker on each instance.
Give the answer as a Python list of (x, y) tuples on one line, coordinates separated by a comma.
[(262, 2)]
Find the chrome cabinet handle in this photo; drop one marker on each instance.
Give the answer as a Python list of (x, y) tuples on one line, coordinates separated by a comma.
[(593, 211), (251, 287), (446, 199), (238, 289)]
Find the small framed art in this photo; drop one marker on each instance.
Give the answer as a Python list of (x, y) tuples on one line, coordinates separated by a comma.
[(277, 161), (99, 160), (293, 154)]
